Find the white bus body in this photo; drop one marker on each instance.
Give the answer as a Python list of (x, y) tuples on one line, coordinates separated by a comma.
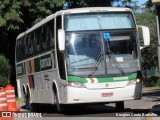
[(81, 56)]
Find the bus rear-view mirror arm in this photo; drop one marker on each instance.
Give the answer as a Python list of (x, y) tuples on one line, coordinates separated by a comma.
[(146, 36), (61, 40)]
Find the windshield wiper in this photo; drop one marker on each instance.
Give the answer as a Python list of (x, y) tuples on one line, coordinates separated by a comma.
[(94, 68), (111, 57), (116, 64)]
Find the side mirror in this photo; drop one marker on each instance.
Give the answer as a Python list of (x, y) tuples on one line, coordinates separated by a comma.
[(146, 36), (61, 40)]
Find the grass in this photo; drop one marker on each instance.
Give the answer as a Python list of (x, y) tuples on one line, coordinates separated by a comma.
[(150, 88)]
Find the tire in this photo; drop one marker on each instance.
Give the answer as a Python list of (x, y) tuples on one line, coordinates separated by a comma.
[(27, 102), (59, 107), (120, 106)]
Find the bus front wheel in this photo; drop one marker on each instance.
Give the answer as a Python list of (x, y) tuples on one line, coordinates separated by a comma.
[(59, 107), (120, 106)]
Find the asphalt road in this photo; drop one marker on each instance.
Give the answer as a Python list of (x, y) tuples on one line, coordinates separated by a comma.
[(137, 110)]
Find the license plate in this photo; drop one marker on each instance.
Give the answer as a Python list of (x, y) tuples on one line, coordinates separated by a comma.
[(107, 94)]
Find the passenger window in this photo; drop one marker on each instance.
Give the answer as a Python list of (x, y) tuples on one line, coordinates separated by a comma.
[(43, 31), (38, 36), (51, 25), (30, 44), (48, 37), (17, 50), (34, 43)]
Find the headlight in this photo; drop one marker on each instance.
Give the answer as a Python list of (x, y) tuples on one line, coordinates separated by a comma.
[(76, 84), (134, 81)]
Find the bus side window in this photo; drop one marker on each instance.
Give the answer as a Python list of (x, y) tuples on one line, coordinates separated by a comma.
[(17, 50), (38, 36), (27, 46), (34, 43), (30, 44), (48, 38), (23, 48), (44, 46), (42, 40), (20, 49), (51, 25)]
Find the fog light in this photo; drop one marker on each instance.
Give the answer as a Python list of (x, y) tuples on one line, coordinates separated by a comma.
[(138, 80), (134, 81)]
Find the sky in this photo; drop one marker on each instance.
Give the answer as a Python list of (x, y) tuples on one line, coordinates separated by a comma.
[(141, 2)]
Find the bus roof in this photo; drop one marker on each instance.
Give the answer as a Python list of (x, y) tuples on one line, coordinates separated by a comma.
[(72, 11)]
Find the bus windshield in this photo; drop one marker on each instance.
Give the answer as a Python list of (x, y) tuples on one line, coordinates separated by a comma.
[(99, 21), (87, 53)]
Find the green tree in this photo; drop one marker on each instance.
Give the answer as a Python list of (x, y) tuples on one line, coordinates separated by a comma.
[(19, 15), (10, 15), (132, 4), (149, 54), (13, 13), (149, 4), (5, 70), (88, 3), (34, 11)]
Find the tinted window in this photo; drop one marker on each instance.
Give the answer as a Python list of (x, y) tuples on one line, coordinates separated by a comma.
[(36, 42)]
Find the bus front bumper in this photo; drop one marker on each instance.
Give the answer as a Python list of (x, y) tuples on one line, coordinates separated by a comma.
[(84, 95)]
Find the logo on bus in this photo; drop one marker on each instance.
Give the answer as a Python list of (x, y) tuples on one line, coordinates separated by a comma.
[(46, 62), (120, 78)]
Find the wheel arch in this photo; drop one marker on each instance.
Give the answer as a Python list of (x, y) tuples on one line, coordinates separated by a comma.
[(55, 89)]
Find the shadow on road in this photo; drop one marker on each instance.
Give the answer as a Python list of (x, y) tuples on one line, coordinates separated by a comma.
[(88, 111), (98, 110), (155, 94), (103, 111), (151, 93)]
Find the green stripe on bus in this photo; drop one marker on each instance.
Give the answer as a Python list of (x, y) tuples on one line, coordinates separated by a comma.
[(117, 79), (40, 64), (102, 80)]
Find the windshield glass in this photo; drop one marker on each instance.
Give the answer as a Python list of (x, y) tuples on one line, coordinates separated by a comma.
[(84, 52), (121, 53), (88, 53), (99, 21)]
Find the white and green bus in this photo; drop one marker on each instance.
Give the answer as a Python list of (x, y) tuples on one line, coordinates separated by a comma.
[(81, 56)]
